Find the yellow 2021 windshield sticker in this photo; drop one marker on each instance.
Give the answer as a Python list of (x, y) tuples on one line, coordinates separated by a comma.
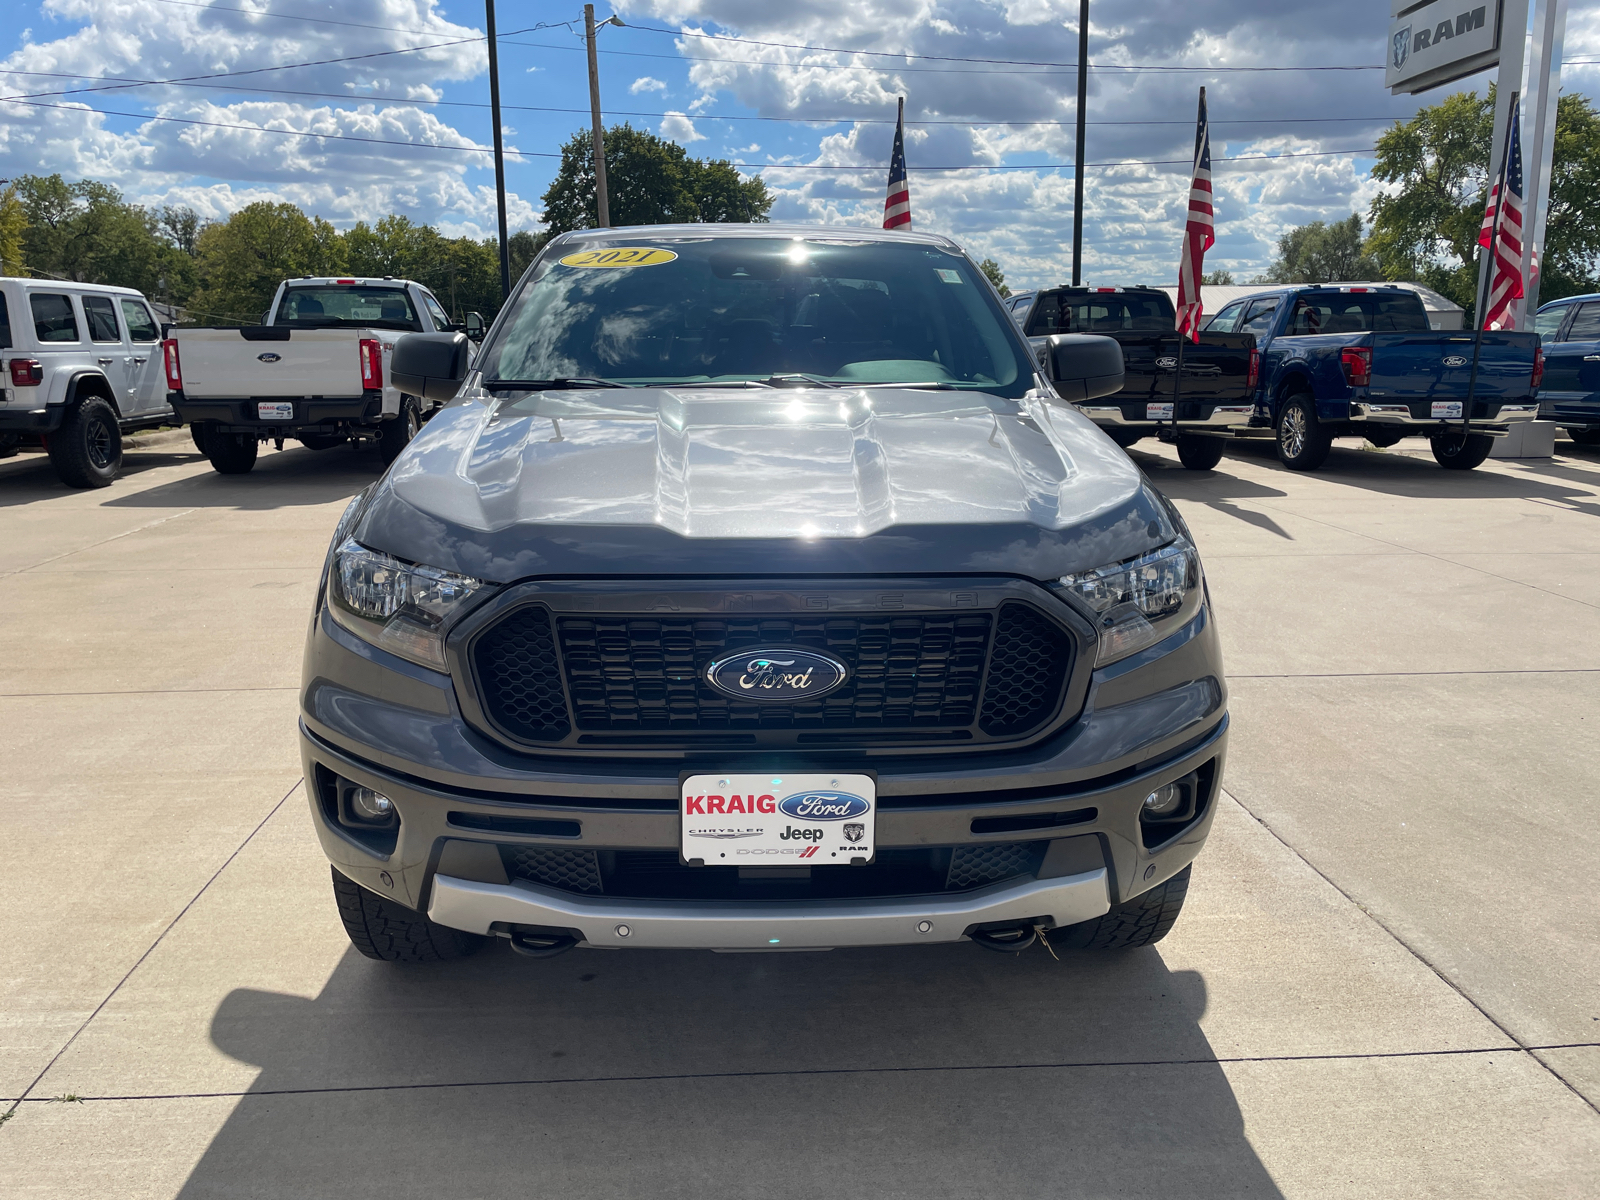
[(625, 256)]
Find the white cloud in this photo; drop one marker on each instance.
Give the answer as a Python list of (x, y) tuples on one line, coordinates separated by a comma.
[(646, 84), (679, 128)]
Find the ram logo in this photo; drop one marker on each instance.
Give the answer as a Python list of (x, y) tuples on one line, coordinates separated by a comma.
[(1402, 48)]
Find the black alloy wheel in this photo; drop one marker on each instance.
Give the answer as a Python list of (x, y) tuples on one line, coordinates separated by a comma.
[(87, 450), (1456, 451)]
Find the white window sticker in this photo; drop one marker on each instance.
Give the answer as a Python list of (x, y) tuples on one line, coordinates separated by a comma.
[(948, 276)]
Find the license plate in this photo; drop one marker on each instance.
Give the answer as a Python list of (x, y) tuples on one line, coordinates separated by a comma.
[(778, 820), (274, 410), (1443, 410), (1158, 412)]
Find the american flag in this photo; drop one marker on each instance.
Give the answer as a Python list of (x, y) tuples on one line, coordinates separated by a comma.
[(1198, 231), (1505, 270), (897, 205)]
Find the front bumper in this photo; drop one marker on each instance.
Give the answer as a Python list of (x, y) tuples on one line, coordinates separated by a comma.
[(1221, 417), (813, 925), (1404, 416)]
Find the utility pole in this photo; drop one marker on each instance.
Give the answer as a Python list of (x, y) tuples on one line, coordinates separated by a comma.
[(499, 155), (1077, 164), (603, 207)]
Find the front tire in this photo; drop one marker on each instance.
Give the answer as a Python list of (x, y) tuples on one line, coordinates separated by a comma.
[(394, 433), (231, 453), (1585, 437), (1199, 453), (87, 450), (1142, 921), (1303, 442), (1460, 452), (389, 932)]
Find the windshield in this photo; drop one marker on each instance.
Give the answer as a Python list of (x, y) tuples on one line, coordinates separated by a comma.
[(726, 310), (1067, 312), (326, 304)]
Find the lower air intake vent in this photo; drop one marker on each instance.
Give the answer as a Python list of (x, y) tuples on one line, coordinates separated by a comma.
[(570, 870), (973, 866)]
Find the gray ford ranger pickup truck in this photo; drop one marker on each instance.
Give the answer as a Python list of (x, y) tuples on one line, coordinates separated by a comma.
[(755, 591)]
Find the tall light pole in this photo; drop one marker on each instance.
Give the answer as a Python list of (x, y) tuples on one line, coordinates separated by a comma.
[(1077, 163), (499, 155), (602, 204)]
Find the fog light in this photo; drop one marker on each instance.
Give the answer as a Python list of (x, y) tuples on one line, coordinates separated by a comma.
[(374, 806), (1164, 801)]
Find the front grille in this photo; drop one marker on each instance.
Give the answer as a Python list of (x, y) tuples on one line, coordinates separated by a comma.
[(637, 680), (660, 875)]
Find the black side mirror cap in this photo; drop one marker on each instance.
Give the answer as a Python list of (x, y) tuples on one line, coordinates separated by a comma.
[(1083, 366), (429, 365)]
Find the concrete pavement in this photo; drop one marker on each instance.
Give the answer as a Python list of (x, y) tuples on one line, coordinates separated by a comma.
[(1385, 931)]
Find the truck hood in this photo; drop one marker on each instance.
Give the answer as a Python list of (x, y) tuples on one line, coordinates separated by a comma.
[(759, 481)]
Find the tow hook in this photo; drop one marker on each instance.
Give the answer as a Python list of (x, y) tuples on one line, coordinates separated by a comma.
[(542, 944), (1006, 939)]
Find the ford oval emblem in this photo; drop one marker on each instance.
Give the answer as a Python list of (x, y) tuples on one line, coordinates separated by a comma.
[(1167, 363), (776, 674), (822, 806), (267, 357), (1455, 360)]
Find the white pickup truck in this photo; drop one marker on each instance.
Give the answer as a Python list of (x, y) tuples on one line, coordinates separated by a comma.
[(316, 369)]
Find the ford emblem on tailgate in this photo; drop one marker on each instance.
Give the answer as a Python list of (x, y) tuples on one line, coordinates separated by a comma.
[(787, 675), (822, 806), (268, 357), (1455, 360)]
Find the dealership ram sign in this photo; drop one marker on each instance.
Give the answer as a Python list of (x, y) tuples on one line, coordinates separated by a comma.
[(1441, 41)]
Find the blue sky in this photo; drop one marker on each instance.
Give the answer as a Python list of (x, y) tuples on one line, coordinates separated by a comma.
[(408, 130)]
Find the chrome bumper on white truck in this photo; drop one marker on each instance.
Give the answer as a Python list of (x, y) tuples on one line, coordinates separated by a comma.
[(1224, 416), (816, 925)]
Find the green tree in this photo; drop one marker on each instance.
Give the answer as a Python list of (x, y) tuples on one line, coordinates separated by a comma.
[(996, 276), (1323, 253), (1221, 277), (1426, 228), (242, 260), (649, 181), (13, 223), (84, 231)]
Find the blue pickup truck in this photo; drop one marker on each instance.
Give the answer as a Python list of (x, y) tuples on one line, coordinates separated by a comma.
[(1569, 331), (1354, 361)]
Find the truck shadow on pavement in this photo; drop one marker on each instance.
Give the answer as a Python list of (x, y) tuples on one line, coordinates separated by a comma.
[(922, 1072)]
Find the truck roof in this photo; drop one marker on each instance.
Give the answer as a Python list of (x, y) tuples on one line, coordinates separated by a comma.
[(360, 280), (56, 285), (852, 233)]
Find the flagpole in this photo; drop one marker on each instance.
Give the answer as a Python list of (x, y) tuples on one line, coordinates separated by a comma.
[(1183, 336), (1486, 284)]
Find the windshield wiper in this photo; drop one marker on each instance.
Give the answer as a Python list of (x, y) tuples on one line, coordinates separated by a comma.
[(565, 382), (938, 385), (799, 379)]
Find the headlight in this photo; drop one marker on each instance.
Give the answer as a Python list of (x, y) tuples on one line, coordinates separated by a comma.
[(395, 605), (1138, 602)]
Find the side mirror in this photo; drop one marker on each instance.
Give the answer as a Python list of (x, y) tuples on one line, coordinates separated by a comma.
[(1083, 366), (429, 365), (475, 326)]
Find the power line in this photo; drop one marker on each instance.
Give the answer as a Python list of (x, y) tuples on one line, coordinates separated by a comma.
[(323, 62), (1006, 62), (413, 101), (342, 137)]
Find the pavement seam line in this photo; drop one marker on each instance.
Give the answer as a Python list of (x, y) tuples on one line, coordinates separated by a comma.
[(669, 1077), (104, 541), (149, 950), (1385, 674), (1531, 1051), (1438, 557)]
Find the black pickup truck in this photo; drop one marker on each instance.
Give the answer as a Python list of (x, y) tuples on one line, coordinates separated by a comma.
[(1219, 372)]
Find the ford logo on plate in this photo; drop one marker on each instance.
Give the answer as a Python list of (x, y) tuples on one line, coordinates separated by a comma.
[(1455, 360), (822, 806), (786, 675), (268, 357)]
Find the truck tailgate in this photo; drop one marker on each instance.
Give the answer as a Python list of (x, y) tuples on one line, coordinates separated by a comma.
[(231, 364), (1415, 367)]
